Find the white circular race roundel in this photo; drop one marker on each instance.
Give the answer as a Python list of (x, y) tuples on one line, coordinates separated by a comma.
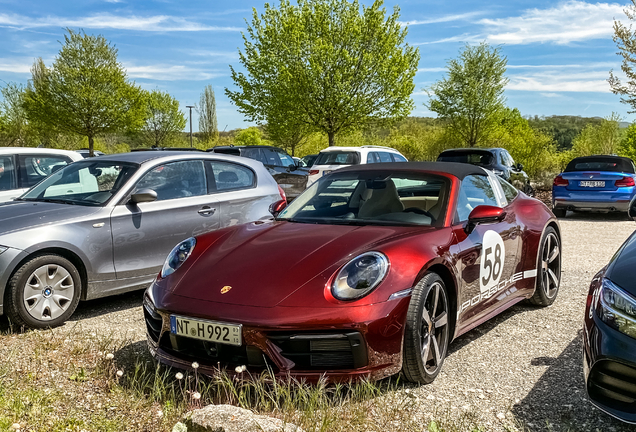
[(492, 260)]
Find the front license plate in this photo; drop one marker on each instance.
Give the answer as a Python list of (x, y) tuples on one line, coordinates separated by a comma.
[(587, 183), (211, 331)]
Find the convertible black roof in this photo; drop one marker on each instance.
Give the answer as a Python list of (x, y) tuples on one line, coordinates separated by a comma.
[(459, 170), (602, 162)]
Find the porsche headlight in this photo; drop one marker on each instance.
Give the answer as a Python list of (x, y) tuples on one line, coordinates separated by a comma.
[(359, 276), (177, 256), (617, 308)]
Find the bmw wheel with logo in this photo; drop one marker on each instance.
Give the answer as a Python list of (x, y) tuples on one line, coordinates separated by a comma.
[(43, 292), (373, 271)]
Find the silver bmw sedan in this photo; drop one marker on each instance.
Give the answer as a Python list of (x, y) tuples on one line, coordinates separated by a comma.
[(104, 226)]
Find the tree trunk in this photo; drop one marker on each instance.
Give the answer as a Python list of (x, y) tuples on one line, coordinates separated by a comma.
[(90, 146), (332, 139)]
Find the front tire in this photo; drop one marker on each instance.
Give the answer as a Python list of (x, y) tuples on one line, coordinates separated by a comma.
[(43, 292), (427, 330), (548, 269)]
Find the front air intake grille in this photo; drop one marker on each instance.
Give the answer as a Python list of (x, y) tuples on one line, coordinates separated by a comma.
[(613, 384), (153, 320), (320, 351), (212, 354)]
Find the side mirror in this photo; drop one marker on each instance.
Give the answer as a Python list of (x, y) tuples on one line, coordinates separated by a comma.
[(519, 167), (484, 214), (292, 167), (277, 207), (632, 209), (143, 195)]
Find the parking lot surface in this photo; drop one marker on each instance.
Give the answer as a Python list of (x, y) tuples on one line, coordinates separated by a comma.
[(521, 370)]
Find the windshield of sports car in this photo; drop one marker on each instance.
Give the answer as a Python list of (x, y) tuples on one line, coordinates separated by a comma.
[(88, 183), (480, 158), (372, 198)]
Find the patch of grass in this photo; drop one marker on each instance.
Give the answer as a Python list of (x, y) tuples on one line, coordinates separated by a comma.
[(65, 380)]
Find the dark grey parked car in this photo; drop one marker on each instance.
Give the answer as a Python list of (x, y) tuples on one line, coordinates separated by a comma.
[(291, 178), (105, 225), (497, 160)]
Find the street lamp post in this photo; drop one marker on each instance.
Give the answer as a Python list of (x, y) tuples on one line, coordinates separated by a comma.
[(190, 106)]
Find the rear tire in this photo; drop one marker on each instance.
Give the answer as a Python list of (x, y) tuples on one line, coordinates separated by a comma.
[(43, 292), (559, 212), (427, 330), (548, 269)]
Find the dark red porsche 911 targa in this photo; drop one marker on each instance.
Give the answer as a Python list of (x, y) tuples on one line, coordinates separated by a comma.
[(371, 271)]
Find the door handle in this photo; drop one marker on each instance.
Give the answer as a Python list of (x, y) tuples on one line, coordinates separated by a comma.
[(206, 211)]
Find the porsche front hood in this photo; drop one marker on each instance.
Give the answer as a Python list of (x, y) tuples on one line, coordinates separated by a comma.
[(264, 264)]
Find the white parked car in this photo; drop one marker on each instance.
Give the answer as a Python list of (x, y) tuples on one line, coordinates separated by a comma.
[(23, 167), (333, 158)]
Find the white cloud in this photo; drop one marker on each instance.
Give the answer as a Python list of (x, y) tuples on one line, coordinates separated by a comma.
[(567, 22), (557, 81), (156, 23), (443, 19), (467, 38), (16, 65), (433, 69), (164, 72)]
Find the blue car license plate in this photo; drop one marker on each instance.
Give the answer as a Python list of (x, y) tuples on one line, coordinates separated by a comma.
[(590, 183)]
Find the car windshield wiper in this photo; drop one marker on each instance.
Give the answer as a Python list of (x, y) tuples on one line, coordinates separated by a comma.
[(51, 200)]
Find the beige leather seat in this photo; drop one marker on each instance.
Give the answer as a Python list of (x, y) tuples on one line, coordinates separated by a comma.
[(381, 201)]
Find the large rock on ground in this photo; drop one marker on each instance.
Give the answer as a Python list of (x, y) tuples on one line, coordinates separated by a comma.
[(228, 418)]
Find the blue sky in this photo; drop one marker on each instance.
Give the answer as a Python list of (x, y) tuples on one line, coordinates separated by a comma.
[(559, 53)]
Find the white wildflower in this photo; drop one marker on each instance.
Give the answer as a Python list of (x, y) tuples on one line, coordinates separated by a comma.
[(120, 373), (179, 376), (195, 365), (196, 396), (110, 356)]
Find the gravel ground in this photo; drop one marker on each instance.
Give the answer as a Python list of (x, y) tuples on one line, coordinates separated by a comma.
[(521, 370)]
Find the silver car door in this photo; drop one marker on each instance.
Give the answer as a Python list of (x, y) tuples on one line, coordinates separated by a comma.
[(236, 190), (144, 233)]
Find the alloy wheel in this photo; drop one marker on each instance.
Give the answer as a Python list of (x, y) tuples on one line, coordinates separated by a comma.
[(434, 328)]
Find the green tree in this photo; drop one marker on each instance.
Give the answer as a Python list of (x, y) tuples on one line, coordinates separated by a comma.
[(250, 136), (208, 126), (603, 138), (331, 65), (85, 92), (471, 97), (625, 39), (163, 121), (287, 133), (14, 128)]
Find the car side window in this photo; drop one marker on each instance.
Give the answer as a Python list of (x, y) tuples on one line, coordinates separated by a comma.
[(385, 157), (271, 157), (510, 191), (507, 159), (253, 153), (34, 168), (371, 157), (7, 171), (230, 176), (398, 158), (286, 159), (474, 191), (175, 180)]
